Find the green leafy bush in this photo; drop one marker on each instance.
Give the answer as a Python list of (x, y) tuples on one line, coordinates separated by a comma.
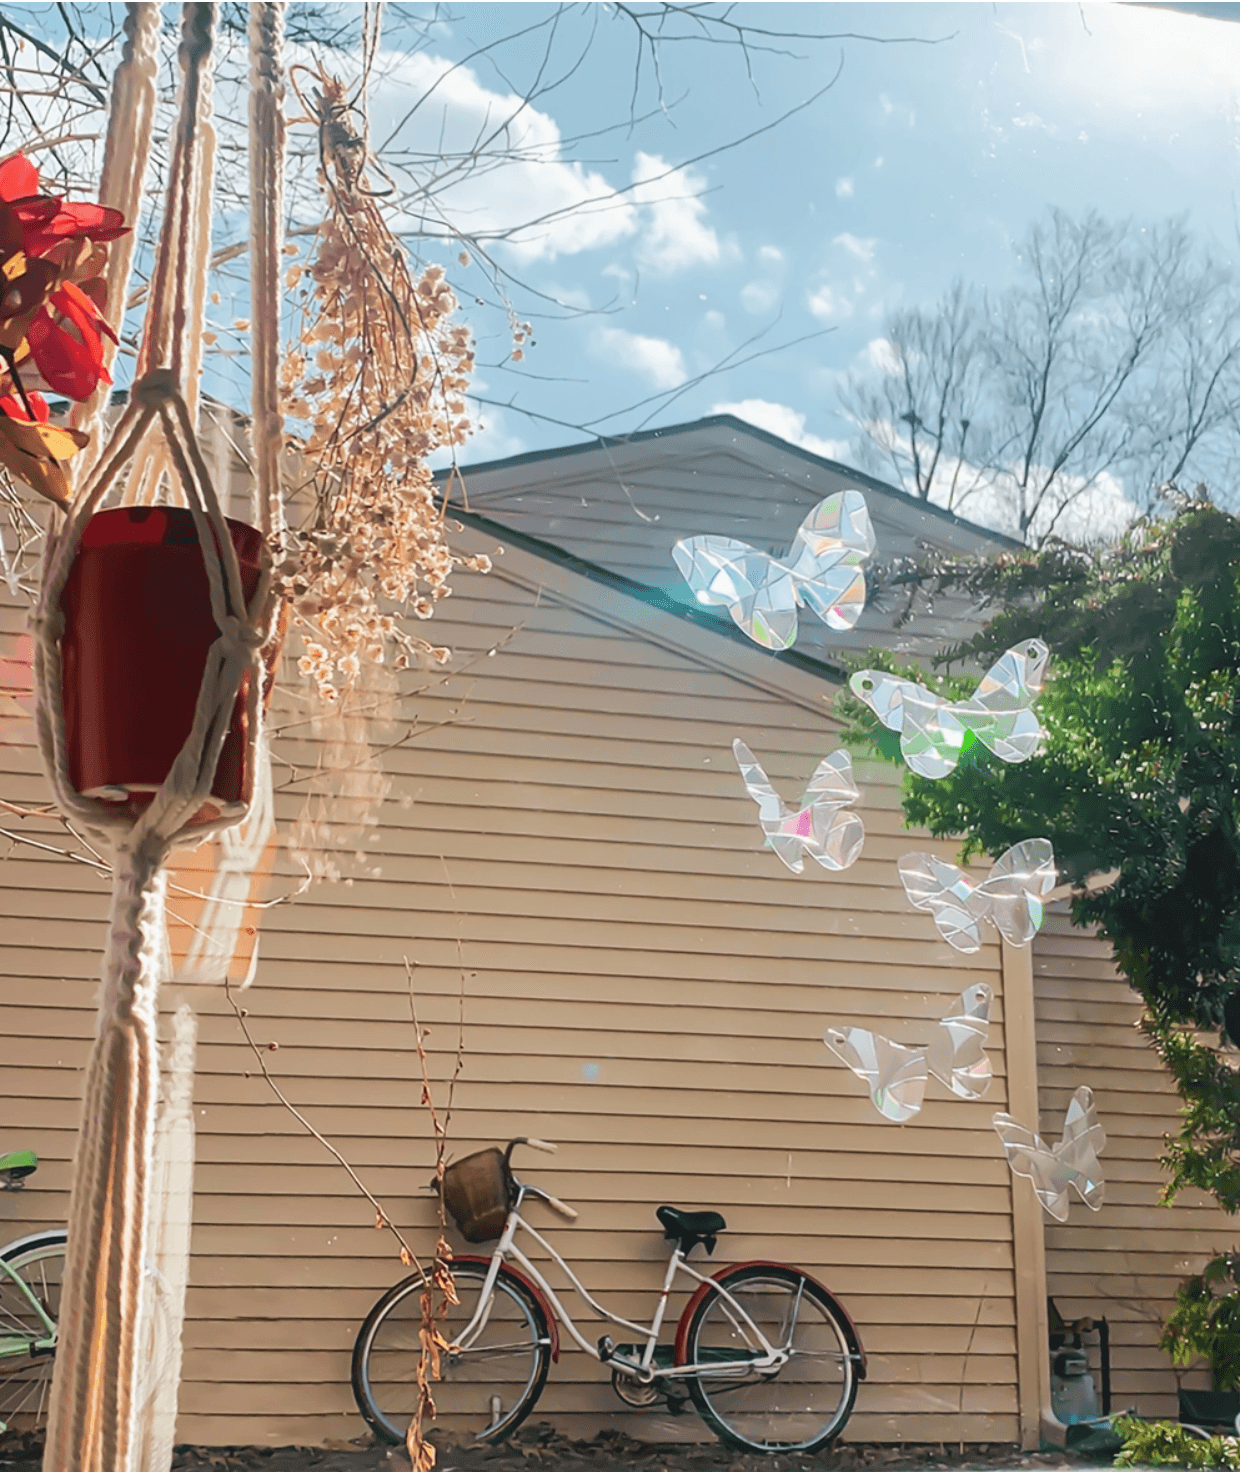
[(1206, 1323), (1164, 1444)]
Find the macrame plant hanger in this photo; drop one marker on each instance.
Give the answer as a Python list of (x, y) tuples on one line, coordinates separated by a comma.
[(113, 1400)]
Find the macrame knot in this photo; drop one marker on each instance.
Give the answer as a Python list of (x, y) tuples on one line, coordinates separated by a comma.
[(238, 631), (155, 389)]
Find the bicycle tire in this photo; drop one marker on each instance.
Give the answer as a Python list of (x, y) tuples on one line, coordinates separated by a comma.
[(26, 1377), (512, 1370), (802, 1411)]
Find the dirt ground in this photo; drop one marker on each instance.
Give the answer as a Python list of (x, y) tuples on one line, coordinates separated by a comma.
[(539, 1447)]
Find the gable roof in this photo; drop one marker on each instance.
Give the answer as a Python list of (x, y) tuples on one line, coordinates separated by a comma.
[(616, 506)]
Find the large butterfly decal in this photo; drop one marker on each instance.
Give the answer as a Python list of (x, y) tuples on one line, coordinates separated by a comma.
[(819, 827), (897, 1076), (822, 571), (1073, 1162), (1010, 896), (932, 730)]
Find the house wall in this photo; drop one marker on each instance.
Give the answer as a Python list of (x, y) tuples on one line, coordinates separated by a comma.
[(571, 852), (1124, 1262)]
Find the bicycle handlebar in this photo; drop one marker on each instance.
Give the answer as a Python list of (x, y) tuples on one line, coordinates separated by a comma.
[(568, 1212)]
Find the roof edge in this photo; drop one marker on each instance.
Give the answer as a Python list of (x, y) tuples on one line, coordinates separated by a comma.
[(730, 421)]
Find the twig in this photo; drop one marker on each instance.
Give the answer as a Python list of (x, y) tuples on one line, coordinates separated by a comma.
[(381, 1217)]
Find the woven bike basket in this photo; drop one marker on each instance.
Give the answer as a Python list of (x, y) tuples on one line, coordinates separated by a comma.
[(478, 1192)]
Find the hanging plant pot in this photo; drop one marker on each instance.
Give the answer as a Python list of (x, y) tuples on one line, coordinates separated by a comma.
[(138, 626)]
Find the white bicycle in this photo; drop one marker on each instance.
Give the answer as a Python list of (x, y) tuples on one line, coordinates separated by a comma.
[(765, 1354)]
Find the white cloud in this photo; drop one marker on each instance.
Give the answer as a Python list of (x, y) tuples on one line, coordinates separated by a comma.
[(759, 296), (674, 232), (512, 195), (715, 319), (781, 420), (862, 249), (653, 357), (844, 188), (827, 303), (770, 253), (880, 354)]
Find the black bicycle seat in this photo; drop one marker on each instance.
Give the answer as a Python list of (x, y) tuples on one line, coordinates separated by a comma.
[(688, 1228)]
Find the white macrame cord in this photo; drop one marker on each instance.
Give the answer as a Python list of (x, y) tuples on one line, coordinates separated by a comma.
[(127, 1198)]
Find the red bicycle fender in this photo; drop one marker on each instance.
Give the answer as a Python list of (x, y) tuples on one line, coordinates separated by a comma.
[(682, 1328), (535, 1292)]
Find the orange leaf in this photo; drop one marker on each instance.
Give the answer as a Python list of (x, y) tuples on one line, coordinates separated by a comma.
[(33, 452)]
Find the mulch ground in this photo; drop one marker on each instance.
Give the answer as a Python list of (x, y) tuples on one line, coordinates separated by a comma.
[(541, 1447)]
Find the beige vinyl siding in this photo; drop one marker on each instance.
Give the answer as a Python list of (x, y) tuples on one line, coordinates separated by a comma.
[(624, 506), (1126, 1261), (578, 843)]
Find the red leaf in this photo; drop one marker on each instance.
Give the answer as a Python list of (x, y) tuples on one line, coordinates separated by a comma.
[(68, 366), (13, 408), (19, 178), (78, 220)]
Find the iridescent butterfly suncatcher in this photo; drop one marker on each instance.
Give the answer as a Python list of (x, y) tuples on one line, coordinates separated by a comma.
[(819, 827), (1010, 896), (822, 571), (932, 729), (897, 1076), (1072, 1163)]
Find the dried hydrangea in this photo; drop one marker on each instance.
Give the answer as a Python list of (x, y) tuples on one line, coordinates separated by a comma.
[(378, 378)]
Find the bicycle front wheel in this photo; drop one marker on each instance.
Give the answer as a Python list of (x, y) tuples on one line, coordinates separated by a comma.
[(803, 1405), (487, 1386), (30, 1283)]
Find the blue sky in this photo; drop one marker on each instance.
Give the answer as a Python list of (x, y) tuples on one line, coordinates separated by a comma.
[(921, 163)]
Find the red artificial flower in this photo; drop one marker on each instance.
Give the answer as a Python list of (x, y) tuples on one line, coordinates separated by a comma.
[(52, 296), (46, 220)]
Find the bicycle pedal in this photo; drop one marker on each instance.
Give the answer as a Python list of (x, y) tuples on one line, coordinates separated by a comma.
[(606, 1348)]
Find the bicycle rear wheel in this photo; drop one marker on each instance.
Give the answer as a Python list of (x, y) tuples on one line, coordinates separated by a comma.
[(25, 1360), (486, 1389), (803, 1405)]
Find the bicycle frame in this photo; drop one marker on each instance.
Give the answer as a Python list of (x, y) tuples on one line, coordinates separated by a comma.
[(766, 1357)]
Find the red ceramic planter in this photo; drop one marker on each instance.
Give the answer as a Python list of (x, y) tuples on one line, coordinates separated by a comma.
[(138, 626)]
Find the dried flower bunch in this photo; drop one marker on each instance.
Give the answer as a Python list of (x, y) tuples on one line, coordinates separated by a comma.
[(52, 300), (378, 376)]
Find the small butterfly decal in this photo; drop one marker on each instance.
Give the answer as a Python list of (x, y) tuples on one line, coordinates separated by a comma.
[(819, 827), (1073, 1162), (822, 571), (933, 730), (897, 1076), (1010, 897)]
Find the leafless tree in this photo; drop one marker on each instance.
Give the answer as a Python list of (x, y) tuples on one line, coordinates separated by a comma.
[(1113, 360)]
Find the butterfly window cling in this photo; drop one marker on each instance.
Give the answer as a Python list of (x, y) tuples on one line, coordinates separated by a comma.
[(820, 827), (822, 571), (1010, 897), (1073, 1163), (933, 730), (897, 1076)]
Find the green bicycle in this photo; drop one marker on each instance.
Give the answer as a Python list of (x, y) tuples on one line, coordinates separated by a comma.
[(31, 1272)]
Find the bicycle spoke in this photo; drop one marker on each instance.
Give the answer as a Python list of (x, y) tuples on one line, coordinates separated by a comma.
[(488, 1385), (29, 1295), (799, 1404)]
